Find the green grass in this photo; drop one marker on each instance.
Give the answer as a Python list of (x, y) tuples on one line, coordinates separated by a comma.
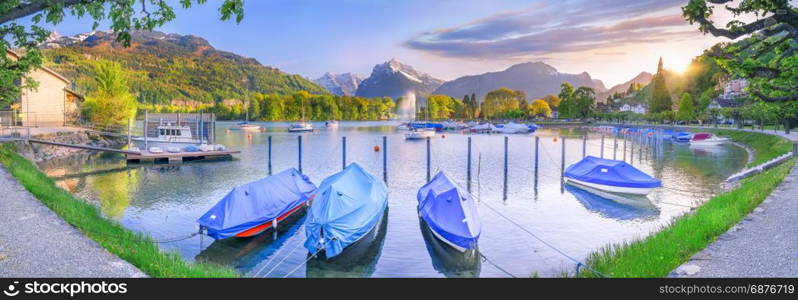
[(138, 249), (658, 254)]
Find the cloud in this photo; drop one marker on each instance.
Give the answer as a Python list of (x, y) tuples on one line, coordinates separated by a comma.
[(569, 26)]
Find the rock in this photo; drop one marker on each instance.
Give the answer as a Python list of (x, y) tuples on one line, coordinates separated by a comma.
[(687, 270)]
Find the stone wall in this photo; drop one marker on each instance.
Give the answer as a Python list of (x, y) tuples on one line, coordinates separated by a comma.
[(40, 152)]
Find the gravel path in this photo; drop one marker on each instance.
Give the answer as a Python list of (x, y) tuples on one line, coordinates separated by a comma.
[(35, 242), (763, 244)]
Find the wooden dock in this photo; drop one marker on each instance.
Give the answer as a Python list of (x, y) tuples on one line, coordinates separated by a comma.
[(180, 156)]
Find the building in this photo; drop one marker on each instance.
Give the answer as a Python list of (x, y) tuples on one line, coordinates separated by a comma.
[(636, 108), (52, 103)]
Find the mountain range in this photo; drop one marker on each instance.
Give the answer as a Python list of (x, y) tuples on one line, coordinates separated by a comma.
[(394, 79), (340, 84), (170, 68), (644, 78), (537, 79)]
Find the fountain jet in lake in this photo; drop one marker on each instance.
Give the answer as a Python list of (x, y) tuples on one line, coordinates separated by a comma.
[(407, 106)]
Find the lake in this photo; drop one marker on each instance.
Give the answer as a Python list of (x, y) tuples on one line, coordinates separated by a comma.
[(164, 201)]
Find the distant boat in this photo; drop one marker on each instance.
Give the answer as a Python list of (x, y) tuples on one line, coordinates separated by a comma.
[(300, 127), (533, 127), (425, 125), (347, 207), (613, 176), (450, 213), (246, 126), (156, 150), (255, 207), (683, 137), (707, 139), (482, 128), (331, 124), (420, 134)]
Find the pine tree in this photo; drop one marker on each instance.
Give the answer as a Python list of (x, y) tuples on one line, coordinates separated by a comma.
[(660, 98)]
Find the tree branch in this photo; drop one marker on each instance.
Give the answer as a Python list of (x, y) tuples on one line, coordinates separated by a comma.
[(34, 6), (767, 98)]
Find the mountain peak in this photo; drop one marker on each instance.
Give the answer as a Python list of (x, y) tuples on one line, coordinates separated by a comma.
[(394, 79), (339, 84)]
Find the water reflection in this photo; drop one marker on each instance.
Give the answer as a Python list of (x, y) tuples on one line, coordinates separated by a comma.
[(615, 206), (447, 260), (357, 260)]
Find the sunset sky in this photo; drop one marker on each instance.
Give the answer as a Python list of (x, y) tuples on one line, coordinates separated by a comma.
[(613, 40)]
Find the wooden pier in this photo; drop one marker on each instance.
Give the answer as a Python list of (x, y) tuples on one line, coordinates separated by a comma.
[(180, 156)]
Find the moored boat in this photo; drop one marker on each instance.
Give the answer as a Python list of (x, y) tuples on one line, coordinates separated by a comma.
[(346, 207), (168, 136), (613, 176), (511, 128), (683, 137), (331, 124), (420, 134), (255, 207), (450, 213), (300, 127), (707, 139)]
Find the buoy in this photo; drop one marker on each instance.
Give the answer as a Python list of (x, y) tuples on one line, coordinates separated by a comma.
[(443, 136), (555, 139), (249, 136), (377, 148)]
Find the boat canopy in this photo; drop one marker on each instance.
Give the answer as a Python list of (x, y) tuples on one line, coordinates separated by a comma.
[(596, 170), (346, 206), (700, 136), (449, 211), (256, 203)]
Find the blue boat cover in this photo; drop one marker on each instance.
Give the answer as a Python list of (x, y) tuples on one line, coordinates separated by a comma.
[(437, 126), (449, 211), (610, 172), (257, 202), (346, 207)]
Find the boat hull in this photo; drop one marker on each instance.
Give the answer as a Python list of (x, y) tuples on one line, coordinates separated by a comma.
[(610, 188), (448, 260), (419, 135), (300, 129), (164, 144), (265, 226), (709, 143)]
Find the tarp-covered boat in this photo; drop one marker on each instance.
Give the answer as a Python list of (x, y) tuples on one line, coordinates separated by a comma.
[(610, 175), (254, 207), (346, 207), (450, 212), (707, 139), (683, 137)]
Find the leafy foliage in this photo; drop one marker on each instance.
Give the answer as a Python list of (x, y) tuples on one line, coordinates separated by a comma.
[(111, 102)]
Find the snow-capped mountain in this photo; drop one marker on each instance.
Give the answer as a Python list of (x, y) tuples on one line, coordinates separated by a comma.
[(537, 79), (394, 79), (340, 84)]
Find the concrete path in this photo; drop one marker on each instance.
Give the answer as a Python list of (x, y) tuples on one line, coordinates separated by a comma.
[(763, 244), (35, 242)]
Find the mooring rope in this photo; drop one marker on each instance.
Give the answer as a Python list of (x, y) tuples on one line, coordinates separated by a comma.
[(306, 261), (282, 260), (486, 259)]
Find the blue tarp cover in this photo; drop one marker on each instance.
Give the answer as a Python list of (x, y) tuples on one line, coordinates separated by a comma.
[(449, 211), (257, 202), (610, 172), (347, 206)]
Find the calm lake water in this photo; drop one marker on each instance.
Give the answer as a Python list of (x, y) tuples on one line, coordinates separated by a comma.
[(165, 200)]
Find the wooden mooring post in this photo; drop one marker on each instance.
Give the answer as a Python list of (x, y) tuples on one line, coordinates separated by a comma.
[(624, 146), (506, 161), (468, 166), (269, 158), (602, 145), (428, 160), (584, 145), (299, 152), (385, 159), (614, 146), (562, 159), (343, 153), (537, 145)]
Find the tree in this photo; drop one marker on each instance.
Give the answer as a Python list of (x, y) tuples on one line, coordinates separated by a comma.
[(498, 102), (583, 102), (660, 97), (125, 15), (539, 108), (552, 100), (686, 109), (767, 57), (565, 109), (110, 103)]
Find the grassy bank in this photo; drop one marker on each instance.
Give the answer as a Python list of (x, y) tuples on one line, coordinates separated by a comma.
[(138, 249), (660, 253)]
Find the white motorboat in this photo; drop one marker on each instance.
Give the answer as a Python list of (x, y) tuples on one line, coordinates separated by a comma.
[(707, 139), (301, 127), (331, 124), (168, 136), (512, 128), (173, 150), (611, 188), (481, 128), (420, 134), (156, 150), (246, 126)]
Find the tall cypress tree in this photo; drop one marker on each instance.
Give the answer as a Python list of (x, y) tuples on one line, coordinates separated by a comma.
[(660, 97)]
